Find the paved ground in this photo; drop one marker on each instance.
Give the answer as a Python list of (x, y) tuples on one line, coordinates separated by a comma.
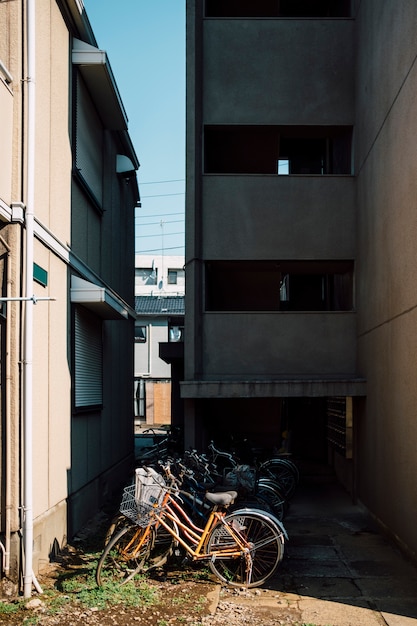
[(338, 569)]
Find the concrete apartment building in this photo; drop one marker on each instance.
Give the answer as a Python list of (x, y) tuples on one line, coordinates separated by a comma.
[(159, 275), (159, 305), (68, 191), (300, 238)]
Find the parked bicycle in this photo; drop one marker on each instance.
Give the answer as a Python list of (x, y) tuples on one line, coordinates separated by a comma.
[(242, 548), (281, 470)]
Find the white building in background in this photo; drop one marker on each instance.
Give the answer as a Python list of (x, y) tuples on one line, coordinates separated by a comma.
[(158, 275), (159, 305)]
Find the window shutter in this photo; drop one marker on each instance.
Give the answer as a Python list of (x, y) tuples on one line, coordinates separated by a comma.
[(89, 142), (88, 359)]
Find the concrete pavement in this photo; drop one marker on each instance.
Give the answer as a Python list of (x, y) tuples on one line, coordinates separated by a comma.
[(338, 569)]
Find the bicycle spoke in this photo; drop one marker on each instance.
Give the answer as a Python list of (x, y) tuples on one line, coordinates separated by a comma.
[(125, 555), (261, 537)]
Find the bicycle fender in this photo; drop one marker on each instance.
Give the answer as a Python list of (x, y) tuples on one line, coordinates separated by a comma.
[(266, 515)]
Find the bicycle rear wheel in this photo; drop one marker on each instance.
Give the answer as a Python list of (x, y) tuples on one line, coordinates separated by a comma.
[(265, 543), (284, 472), (125, 555)]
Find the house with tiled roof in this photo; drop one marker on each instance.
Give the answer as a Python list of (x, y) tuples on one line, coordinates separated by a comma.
[(159, 333)]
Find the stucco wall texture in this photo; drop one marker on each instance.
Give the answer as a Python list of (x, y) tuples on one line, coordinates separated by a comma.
[(356, 71)]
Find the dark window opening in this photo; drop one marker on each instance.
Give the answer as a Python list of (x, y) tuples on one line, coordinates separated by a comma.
[(140, 334), (176, 329), (277, 8), (279, 285), (314, 150), (172, 277)]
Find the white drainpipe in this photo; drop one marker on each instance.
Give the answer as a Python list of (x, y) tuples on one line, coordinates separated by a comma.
[(28, 308), (8, 437)]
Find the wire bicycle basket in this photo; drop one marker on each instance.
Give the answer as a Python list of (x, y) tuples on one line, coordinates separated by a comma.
[(144, 496)]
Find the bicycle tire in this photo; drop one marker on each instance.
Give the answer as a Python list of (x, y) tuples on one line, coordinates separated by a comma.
[(118, 521), (120, 561), (269, 490), (267, 549), (283, 472), (256, 501)]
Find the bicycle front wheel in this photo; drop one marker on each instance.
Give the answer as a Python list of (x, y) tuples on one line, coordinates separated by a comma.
[(260, 535), (125, 555)]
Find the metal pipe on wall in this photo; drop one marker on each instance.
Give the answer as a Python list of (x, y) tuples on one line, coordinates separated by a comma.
[(28, 306)]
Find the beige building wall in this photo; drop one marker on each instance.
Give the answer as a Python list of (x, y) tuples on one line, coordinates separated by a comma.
[(162, 402), (158, 403), (78, 459), (52, 209)]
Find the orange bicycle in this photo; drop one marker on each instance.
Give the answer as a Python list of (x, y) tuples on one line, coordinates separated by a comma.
[(242, 548)]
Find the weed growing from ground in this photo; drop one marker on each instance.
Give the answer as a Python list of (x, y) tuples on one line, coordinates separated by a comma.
[(81, 585), (7, 608)]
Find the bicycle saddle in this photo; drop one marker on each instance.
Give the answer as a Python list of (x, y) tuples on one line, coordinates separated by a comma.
[(223, 498)]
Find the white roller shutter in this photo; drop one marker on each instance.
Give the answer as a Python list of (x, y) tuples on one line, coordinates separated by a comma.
[(88, 359)]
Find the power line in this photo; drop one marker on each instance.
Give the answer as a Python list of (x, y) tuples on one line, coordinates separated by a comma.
[(160, 182), (164, 222), (165, 235), (163, 195), (160, 214), (158, 249)]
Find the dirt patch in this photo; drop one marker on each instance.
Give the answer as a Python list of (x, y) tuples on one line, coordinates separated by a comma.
[(175, 595)]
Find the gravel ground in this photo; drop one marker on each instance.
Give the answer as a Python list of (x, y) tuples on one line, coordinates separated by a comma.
[(178, 595)]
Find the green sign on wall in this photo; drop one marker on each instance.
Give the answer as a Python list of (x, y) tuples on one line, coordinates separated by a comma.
[(40, 275)]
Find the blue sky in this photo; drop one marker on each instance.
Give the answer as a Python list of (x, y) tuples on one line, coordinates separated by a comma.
[(145, 43)]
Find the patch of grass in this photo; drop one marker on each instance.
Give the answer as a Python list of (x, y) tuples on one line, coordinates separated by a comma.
[(30, 621), (200, 603), (7, 608), (81, 586)]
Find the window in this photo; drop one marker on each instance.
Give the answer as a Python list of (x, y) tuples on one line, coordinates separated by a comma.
[(89, 148), (277, 8), (176, 277), (88, 359), (308, 150), (145, 276), (140, 398), (140, 334), (176, 329), (172, 277), (279, 285)]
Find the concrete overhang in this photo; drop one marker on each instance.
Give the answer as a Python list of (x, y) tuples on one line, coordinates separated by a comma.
[(97, 73), (170, 351), (279, 388), (98, 299)]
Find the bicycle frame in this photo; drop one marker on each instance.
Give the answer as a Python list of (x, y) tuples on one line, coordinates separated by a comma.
[(191, 537)]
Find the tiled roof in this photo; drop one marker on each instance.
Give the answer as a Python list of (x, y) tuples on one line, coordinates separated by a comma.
[(159, 305)]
